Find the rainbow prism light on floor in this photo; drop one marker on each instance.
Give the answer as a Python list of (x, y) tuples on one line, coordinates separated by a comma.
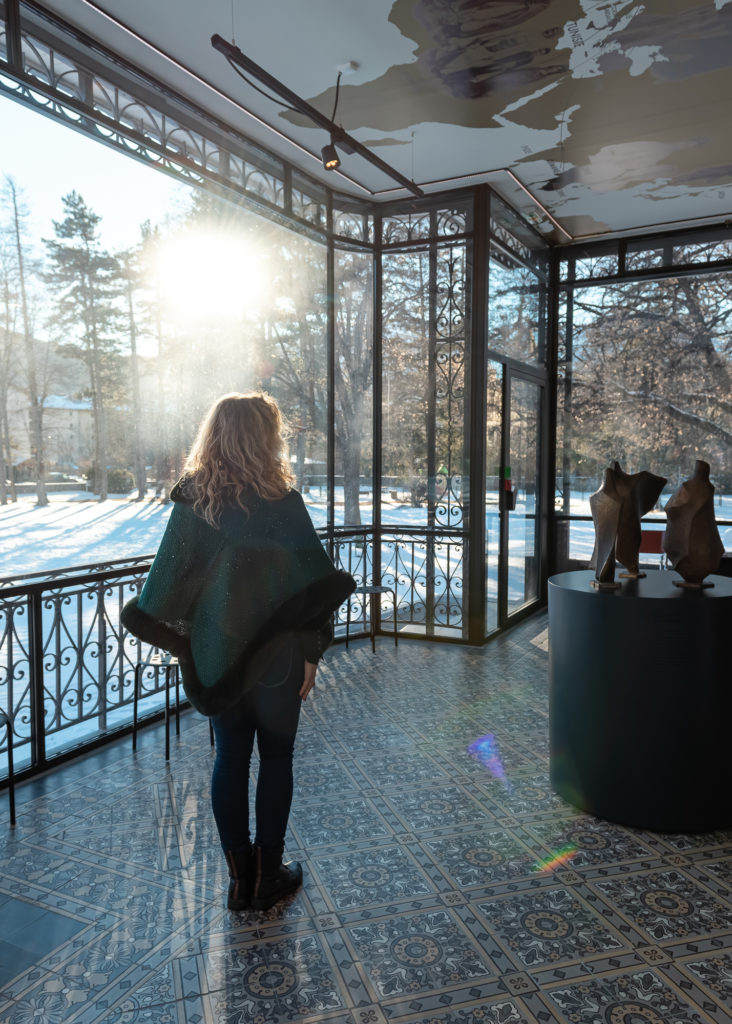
[(556, 860), (485, 750)]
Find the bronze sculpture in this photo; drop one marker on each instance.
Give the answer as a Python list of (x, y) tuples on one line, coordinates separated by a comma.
[(617, 509), (692, 542)]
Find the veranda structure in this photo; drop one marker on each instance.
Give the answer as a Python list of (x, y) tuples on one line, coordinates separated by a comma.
[(491, 320)]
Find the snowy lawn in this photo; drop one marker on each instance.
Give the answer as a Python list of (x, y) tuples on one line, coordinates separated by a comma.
[(74, 529)]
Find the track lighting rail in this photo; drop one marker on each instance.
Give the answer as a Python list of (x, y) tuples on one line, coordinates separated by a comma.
[(338, 136)]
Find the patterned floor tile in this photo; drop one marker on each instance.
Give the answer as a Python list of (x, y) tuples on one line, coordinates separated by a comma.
[(282, 980), (431, 808), (416, 954), (548, 927), (527, 795), (375, 737), (324, 778), (340, 821), (715, 974), (586, 841), (381, 875), (504, 1011), (397, 769), (429, 895), (480, 858), (641, 998), (666, 905), (721, 870)]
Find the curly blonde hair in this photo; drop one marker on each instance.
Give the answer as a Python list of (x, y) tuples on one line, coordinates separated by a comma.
[(240, 450)]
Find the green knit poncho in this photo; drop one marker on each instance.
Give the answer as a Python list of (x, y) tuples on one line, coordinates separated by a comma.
[(215, 596)]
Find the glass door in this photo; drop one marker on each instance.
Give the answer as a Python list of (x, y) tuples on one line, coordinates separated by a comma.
[(513, 497), (521, 496)]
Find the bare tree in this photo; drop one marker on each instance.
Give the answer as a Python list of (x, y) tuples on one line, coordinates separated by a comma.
[(130, 275), (652, 377), (7, 338), (33, 372)]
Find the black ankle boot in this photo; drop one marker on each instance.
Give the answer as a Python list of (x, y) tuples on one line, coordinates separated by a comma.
[(241, 878), (273, 880)]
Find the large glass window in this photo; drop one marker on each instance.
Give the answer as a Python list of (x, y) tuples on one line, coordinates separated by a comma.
[(645, 379), (405, 387), (515, 312), (354, 360), (129, 303), (424, 452), (494, 483)]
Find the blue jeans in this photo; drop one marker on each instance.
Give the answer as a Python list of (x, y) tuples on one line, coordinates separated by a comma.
[(270, 709)]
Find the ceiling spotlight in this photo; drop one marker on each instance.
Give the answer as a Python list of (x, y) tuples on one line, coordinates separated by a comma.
[(331, 160)]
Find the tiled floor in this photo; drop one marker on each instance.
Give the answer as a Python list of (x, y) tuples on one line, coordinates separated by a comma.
[(445, 883)]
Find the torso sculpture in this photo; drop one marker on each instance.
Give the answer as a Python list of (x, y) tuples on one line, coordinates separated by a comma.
[(617, 509), (692, 542)]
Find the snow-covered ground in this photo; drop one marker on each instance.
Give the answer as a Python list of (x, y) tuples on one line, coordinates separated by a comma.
[(75, 529)]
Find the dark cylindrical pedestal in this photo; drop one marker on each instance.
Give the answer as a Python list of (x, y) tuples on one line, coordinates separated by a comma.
[(641, 700)]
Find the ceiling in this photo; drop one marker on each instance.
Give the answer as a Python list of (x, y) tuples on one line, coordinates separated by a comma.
[(594, 118)]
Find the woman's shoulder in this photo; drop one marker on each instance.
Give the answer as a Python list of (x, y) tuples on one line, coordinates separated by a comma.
[(290, 503), (184, 490)]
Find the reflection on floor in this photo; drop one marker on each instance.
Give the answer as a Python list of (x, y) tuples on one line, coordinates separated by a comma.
[(445, 883)]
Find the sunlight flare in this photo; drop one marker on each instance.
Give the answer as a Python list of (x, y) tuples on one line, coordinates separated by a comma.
[(211, 276)]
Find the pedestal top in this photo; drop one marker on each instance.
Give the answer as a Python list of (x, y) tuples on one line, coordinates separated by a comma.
[(656, 585)]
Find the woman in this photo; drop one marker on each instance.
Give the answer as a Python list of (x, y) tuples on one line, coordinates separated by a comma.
[(242, 592)]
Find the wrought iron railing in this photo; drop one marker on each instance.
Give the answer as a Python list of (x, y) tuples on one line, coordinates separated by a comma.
[(67, 666)]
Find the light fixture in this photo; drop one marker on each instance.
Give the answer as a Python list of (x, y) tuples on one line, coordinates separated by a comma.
[(331, 160), (346, 143)]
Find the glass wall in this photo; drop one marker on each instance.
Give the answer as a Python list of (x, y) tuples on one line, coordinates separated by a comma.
[(291, 359), (405, 387), (645, 377), (425, 459), (353, 387)]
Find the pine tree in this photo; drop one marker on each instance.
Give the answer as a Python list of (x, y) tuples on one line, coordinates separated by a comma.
[(86, 281)]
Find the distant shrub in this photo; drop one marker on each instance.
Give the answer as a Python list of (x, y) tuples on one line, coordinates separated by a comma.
[(119, 481)]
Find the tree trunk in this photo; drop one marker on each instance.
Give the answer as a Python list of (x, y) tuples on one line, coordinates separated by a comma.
[(137, 453), (3, 472), (35, 399), (100, 426), (351, 479), (8, 459)]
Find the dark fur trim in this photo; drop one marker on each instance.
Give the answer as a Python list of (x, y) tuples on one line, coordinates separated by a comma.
[(308, 610), (184, 491)]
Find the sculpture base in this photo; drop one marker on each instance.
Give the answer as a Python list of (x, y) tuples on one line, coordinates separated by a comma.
[(640, 701), (604, 586), (632, 575), (691, 586)]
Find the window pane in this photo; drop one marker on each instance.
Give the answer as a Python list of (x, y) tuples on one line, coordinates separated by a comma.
[(353, 388), (515, 309), (648, 384), (291, 360), (405, 386), (493, 441)]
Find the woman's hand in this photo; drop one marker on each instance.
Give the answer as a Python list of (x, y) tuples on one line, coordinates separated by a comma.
[(309, 681)]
